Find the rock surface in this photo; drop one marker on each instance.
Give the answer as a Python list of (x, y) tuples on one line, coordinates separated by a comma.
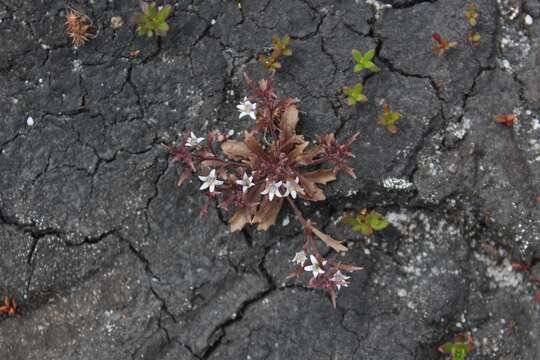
[(108, 259)]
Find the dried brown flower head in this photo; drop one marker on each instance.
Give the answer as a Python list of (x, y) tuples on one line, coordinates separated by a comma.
[(78, 27)]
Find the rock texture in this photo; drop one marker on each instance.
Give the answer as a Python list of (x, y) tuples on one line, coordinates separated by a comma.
[(108, 259)]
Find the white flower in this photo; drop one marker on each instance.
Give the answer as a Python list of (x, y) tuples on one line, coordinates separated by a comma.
[(247, 108), (210, 181), (300, 258), (273, 190), (292, 187), (246, 182), (340, 279), (315, 266), (193, 140)]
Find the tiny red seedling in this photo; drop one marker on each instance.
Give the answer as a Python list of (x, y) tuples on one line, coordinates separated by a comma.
[(443, 45), (9, 307), (506, 119)]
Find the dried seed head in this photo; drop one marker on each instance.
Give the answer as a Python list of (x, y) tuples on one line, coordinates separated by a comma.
[(117, 22), (78, 27)]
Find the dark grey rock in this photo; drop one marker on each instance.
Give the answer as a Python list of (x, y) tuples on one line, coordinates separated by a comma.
[(108, 259)]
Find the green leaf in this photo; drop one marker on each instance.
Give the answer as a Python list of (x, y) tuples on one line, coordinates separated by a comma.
[(152, 11), (447, 348), (364, 229), (358, 68), (165, 12), (287, 52), (372, 67), (369, 55), (377, 221), (357, 55)]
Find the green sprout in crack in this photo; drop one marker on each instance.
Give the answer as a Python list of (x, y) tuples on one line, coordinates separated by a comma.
[(238, 3), (281, 48), (354, 94), (153, 20), (364, 61), (459, 348), (366, 222), (388, 119)]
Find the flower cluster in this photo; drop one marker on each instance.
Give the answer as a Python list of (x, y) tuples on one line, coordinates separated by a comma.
[(270, 166)]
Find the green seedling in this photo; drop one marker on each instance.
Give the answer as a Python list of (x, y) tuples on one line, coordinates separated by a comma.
[(281, 48), (388, 119), (459, 348), (472, 14), (366, 222), (152, 20), (354, 94), (364, 61)]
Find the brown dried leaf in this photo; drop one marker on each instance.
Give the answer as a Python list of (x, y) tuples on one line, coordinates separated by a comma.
[(240, 218), (330, 242), (349, 268), (322, 176), (267, 213), (236, 150), (253, 144), (289, 119), (186, 174)]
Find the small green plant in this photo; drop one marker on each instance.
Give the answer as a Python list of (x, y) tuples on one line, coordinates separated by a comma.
[(472, 17), (366, 222), (472, 14), (354, 94), (153, 20), (459, 348), (281, 48), (388, 119), (364, 61)]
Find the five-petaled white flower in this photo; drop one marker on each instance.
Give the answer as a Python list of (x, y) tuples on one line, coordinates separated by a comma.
[(193, 140), (247, 108), (246, 182), (210, 181), (272, 190), (300, 258), (340, 279), (315, 266), (292, 187)]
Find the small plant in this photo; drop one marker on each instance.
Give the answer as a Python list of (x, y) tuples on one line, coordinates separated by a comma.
[(153, 20), (474, 38), (506, 119), (354, 94), (9, 307), (281, 48), (270, 166), (443, 45), (388, 119), (238, 3), (472, 14), (364, 61), (78, 27), (459, 348), (366, 222)]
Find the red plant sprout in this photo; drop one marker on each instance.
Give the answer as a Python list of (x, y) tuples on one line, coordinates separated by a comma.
[(506, 119), (9, 307), (443, 45), (271, 165)]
